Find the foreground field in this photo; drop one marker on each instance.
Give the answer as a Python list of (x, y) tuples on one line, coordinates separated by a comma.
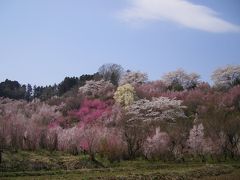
[(198, 172), (45, 165), (209, 172)]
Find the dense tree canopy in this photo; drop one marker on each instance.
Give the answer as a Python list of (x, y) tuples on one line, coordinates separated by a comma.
[(12, 89), (174, 118)]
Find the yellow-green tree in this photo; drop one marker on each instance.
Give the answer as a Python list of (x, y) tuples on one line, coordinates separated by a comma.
[(125, 95)]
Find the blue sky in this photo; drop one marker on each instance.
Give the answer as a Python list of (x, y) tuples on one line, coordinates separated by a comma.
[(43, 41)]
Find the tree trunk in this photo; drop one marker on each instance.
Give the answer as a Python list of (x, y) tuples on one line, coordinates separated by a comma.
[(1, 156), (92, 157)]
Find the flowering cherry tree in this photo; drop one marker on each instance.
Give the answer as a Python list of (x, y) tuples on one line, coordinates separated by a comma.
[(196, 138), (151, 89), (26, 122), (69, 139), (140, 117), (98, 89), (180, 80), (92, 110), (158, 109), (91, 139), (157, 145), (226, 77), (112, 145), (133, 78)]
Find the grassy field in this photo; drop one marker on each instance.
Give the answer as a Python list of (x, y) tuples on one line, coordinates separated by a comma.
[(57, 165)]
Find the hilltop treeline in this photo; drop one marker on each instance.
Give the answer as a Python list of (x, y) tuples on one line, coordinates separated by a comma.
[(122, 115), (14, 90)]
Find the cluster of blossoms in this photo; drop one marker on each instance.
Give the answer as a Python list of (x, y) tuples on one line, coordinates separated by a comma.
[(98, 89), (158, 109), (182, 79), (133, 78), (226, 77), (125, 95)]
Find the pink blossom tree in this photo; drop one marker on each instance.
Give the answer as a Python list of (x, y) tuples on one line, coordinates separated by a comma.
[(92, 110), (150, 89), (112, 145), (26, 122), (157, 145), (91, 138)]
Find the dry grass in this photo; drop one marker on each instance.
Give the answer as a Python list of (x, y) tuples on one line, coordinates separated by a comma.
[(58, 165)]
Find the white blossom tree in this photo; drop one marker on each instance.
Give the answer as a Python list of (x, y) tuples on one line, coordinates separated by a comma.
[(226, 77), (140, 119), (69, 139), (196, 139), (96, 89), (133, 78), (158, 109), (180, 80)]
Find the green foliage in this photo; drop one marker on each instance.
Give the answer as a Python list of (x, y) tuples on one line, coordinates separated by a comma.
[(43, 160), (67, 84), (12, 89)]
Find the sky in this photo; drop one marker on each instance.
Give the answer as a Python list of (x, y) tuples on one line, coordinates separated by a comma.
[(41, 42)]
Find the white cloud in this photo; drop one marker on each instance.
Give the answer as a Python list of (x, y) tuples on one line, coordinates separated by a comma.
[(178, 11)]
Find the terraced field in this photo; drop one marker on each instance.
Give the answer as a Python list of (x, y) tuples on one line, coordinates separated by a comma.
[(45, 165)]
